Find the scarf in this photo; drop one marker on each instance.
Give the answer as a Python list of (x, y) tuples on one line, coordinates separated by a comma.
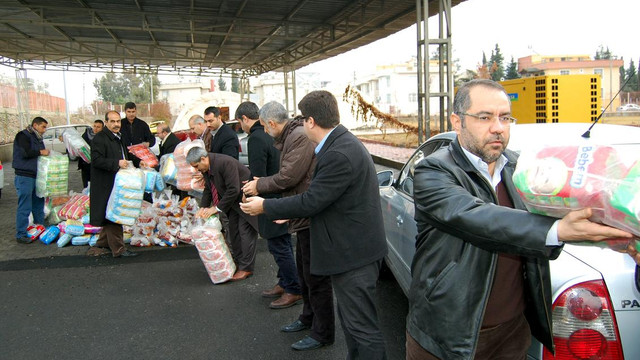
[(90, 134), (33, 131)]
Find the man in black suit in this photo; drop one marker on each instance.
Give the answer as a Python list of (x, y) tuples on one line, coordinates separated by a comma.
[(227, 175), (347, 234), (264, 160), (135, 131), (169, 140), (225, 141)]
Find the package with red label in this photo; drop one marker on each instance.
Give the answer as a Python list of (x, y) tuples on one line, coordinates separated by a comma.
[(213, 251), (142, 152), (34, 231), (555, 180), (188, 178), (75, 208)]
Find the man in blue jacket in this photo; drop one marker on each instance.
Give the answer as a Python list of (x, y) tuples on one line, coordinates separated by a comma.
[(347, 233), (27, 146)]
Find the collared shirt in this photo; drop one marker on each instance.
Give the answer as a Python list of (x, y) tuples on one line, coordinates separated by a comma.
[(321, 143), (483, 168)]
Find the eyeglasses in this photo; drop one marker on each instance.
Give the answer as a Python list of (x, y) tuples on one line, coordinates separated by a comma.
[(487, 119)]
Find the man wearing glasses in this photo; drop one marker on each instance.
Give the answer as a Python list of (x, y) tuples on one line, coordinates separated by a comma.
[(481, 284)]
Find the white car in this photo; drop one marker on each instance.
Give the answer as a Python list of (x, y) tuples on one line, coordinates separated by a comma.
[(629, 107), (608, 281)]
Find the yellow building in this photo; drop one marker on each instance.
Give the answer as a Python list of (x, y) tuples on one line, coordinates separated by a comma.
[(537, 65), (554, 98)]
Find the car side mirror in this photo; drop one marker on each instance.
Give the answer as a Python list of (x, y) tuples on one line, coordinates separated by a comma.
[(385, 178)]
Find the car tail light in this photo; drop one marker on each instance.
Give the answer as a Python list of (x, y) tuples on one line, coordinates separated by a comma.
[(584, 325)]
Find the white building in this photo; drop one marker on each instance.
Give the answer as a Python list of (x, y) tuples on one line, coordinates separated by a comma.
[(180, 94), (270, 87)]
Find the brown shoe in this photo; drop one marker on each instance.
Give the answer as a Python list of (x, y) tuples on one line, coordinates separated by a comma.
[(285, 301), (241, 275), (277, 291)]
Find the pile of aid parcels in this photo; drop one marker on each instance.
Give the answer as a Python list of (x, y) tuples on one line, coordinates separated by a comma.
[(53, 175), (553, 180), (165, 222)]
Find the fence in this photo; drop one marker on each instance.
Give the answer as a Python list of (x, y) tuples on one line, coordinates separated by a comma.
[(37, 101)]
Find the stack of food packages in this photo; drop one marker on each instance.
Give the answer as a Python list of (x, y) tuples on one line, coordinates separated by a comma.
[(213, 250), (125, 201), (69, 216), (76, 146), (142, 152), (152, 180), (53, 175), (187, 177), (554, 180), (165, 222)]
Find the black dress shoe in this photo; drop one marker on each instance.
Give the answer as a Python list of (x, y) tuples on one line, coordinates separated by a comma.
[(308, 343), (295, 327), (24, 240), (128, 253)]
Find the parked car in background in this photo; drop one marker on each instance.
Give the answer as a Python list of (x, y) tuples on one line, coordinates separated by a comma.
[(629, 107), (596, 291), (52, 137), (153, 126)]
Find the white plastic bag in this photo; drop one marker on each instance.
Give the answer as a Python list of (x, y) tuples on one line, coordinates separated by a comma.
[(213, 250), (125, 202), (53, 175), (76, 146)]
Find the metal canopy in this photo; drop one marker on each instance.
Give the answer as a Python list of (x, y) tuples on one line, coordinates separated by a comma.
[(192, 36)]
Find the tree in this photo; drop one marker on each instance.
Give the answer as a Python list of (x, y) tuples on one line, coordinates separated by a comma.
[(235, 83), (602, 54), (222, 85), (496, 64), (632, 75), (512, 70), (128, 86)]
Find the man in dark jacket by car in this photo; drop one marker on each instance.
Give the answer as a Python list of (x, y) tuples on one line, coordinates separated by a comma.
[(224, 140), (264, 160), (135, 131), (84, 167), (169, 140), (108, 155), (297, 161), (347, 234), (481, 284), (27, 146)]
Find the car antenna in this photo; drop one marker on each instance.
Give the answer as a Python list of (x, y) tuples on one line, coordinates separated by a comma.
[(587, 134)]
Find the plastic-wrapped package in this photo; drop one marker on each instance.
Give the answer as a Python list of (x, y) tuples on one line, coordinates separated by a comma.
[(75, 208), (53, 173), (64, 240), (34, 231), (90, 229), (125, 202), (186, 173), (50, 234), (143, 153), (168, 169), (73, 227), (76, 146), (153, 181), (557, 179), (93, 240), (213, 251), (53, 217), (80, 240)]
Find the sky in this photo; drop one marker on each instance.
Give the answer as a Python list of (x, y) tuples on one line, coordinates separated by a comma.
[(519, 27)]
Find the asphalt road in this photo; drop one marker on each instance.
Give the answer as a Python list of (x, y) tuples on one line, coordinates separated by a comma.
[(160, 305)]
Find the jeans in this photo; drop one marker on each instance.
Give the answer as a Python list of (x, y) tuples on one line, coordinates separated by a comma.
[(28, 203), (282, 250)]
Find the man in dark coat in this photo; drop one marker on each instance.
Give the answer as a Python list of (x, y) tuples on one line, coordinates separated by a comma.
[(347, 235), (108, 155), (224, 141), (83, 166), (27, 147), (227, 175), (169, 140), (135, 131), (264, 160)]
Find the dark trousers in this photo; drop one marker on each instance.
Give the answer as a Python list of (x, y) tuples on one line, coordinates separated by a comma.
[(242, 240), (507, 341), (111, 236), (356, 300), (282, 250), (85, 171), (317, 293)]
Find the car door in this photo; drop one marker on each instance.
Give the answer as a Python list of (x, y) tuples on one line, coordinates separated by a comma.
[(399, 215)]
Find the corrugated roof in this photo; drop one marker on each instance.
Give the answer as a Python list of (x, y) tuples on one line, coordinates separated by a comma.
[(195, 36)]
